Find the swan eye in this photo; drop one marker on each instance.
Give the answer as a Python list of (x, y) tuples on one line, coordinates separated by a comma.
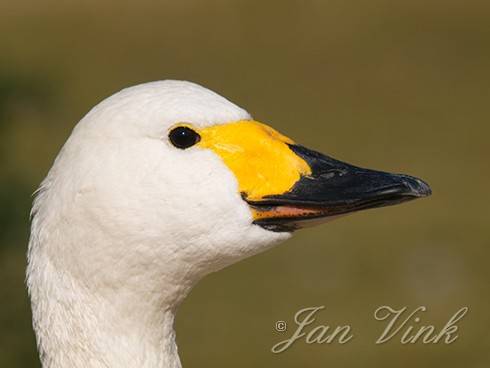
[(183, 137)]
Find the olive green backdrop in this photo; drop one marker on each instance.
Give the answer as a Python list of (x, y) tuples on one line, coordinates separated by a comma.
[(394, 85)]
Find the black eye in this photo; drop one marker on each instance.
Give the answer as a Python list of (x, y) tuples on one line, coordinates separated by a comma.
[(183, 137)]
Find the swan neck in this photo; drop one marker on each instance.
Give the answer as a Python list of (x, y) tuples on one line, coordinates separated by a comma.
[(113, 327)]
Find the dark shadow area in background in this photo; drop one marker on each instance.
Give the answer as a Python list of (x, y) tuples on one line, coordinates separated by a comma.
[(18, 94)]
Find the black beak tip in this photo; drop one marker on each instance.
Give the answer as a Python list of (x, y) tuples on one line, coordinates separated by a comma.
[(416, 187)]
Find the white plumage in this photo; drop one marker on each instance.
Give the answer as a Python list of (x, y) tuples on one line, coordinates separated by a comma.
[(124, 225)]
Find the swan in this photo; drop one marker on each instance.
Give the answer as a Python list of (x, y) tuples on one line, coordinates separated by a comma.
[(156, 187)]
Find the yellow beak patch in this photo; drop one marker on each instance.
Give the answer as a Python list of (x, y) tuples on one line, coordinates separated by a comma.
[(258, 155)]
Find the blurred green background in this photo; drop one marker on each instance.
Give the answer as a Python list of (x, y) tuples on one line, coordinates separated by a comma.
[(394, 85)]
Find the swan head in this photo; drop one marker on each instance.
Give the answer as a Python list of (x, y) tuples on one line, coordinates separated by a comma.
[(169, 181)]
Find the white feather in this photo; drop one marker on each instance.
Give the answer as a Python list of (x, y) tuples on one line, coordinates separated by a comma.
[(125, 224)]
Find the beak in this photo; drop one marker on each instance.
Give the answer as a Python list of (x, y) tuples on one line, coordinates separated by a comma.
[(333, 188)]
